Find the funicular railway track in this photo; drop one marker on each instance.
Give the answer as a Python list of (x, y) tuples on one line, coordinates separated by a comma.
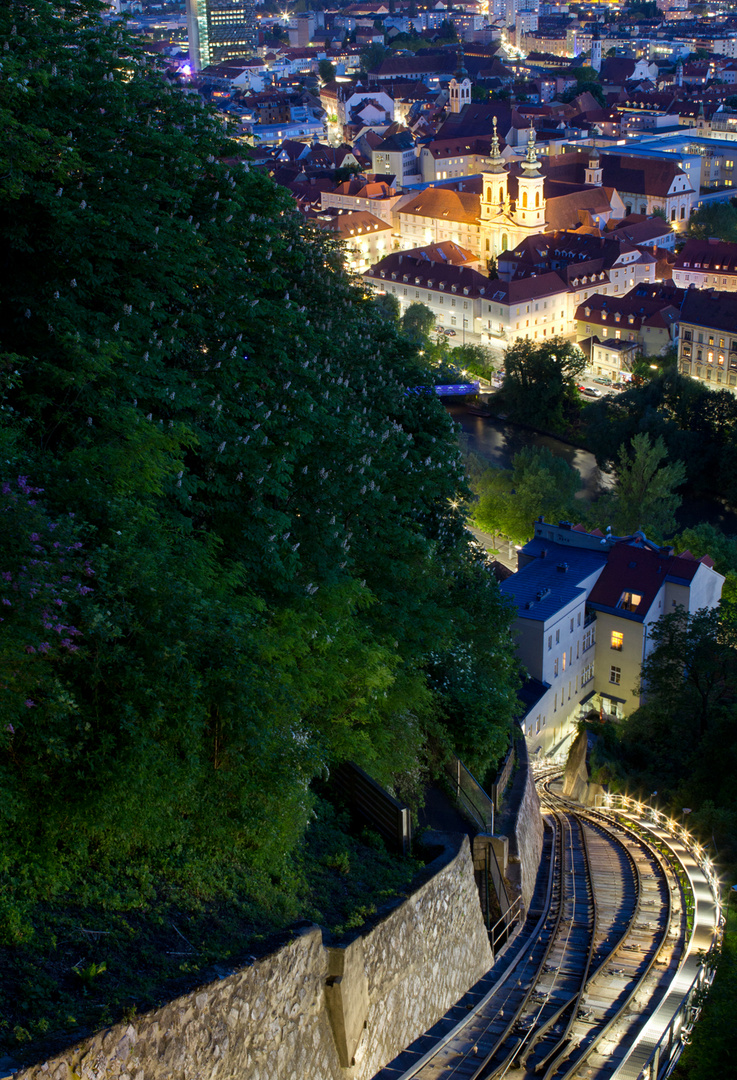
[(608, 916)]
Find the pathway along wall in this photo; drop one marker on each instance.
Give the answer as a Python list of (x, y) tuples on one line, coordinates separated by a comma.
[(309, 1011)]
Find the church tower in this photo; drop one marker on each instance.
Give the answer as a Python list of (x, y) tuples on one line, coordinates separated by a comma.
[(529, 210), (495, 195), (459, 89), (596, 52), (593, 173)]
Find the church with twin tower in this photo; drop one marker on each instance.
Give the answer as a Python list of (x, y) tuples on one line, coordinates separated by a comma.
[(504, 225)]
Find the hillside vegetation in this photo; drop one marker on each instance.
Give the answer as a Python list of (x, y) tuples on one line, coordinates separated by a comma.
[(230, 549)]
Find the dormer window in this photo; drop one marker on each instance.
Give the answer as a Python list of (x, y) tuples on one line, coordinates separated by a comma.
[(394, 277), (604, 315), (617, 317), (453, 288), (465, 291), (687, 264), (441, 285), (405, 278), (630, 319), (629, 601), (587, 312), (382, 273)]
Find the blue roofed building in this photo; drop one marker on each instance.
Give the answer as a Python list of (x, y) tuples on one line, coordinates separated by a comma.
[(585, 604)]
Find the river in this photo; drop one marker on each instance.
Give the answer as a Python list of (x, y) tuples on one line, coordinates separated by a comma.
[(498, 441)]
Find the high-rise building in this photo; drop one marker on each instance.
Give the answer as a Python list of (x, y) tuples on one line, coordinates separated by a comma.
[(219, 30)]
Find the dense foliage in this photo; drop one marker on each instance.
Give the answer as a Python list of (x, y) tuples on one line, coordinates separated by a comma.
[(696, 424), (714, 219), (510, 500), (539, 385), (230, 547)]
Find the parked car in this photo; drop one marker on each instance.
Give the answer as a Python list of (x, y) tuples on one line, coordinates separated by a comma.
[(449, 333), (590, 390), (439, 330), (603, 380)]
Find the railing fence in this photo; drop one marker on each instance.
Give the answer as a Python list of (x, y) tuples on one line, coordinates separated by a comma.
[(470, 795), (392, 819)]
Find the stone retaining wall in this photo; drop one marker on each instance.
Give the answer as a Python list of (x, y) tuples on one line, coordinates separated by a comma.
[(522, 823), (528, 832), (576, 782), (309, 1011)]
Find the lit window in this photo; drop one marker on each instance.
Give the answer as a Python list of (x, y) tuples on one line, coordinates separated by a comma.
[(564, 661), (617, 640), (615, 675), (630, 601)]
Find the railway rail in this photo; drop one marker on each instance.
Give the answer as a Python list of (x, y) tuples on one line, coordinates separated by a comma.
[(607, 933)]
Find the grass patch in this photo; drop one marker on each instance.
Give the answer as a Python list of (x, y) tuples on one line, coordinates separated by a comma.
[(86, 963)]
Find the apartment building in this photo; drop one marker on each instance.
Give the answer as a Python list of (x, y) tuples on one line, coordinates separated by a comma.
[(586, 603), (646, 317), (479, 310), (367, 237), (706, 264), (708, 338)]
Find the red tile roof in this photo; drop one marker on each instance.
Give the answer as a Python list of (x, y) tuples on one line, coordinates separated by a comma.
[(637, 566)]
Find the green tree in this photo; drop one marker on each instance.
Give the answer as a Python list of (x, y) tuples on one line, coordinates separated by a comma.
[(476, 359), (257, 513), (389, 306), (706, 539), (645, 495), (417, 322), (538, 483), (372, 56), (587, 80), (646, 367), (326, 70), (692, 667), (714, 220), (540, 382), (696, 424)]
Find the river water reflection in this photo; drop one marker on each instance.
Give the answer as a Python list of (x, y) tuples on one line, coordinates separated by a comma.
[(498, 442)]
